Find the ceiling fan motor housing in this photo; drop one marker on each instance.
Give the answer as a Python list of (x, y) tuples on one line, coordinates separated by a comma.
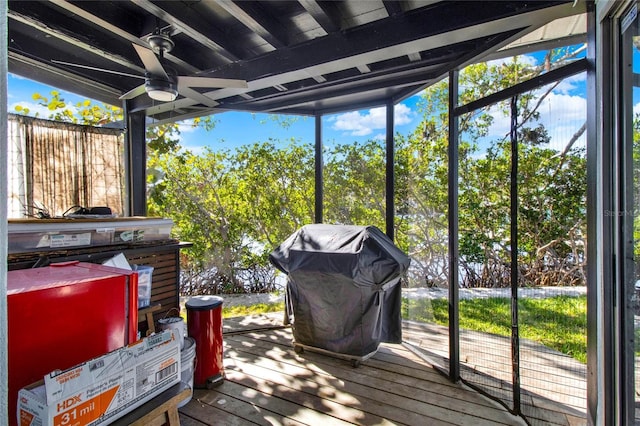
[(161, 89), (160, 43)]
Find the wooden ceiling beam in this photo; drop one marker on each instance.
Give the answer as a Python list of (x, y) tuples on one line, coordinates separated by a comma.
[(253, 17)]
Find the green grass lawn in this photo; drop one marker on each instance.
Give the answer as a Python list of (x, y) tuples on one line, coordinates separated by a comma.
[(558, 322), (241, 311), (258, 308)]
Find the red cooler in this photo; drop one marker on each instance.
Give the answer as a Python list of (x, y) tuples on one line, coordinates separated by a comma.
[(65, 314), (204, 325)]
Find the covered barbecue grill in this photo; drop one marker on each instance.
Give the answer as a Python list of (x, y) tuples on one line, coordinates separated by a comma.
[(343, 289)]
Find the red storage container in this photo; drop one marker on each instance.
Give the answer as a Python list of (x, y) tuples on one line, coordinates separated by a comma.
[(65, 314), (204, 325)]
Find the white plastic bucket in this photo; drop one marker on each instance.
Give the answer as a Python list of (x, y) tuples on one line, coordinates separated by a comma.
[(176, 324), (188, 363)]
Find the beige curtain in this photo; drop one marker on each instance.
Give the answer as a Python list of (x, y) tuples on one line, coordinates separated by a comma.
[(57, 166)]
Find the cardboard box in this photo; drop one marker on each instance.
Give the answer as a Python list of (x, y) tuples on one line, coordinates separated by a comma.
[(105, 388)]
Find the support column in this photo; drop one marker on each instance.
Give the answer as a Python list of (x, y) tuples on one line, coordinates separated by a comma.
[(454, 321), (4, 360), (513, 194), (390, 173), (319, 183), (135, 163), (601, 342)]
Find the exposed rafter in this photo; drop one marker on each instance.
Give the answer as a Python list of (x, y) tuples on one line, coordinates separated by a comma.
[(393, 7), (72, 40), (250, 14), (322, 15)]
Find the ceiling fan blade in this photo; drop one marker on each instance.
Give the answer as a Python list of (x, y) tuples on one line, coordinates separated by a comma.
[(96, 69), (188, 92), (195, 81), (133, 93), (151, 62)]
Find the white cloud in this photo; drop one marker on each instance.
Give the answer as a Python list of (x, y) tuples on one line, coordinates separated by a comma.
[(402, 115), (563, 115), (358, 123), (571, 83)]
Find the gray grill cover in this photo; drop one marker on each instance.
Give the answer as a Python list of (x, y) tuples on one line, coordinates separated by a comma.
[(343, 288)]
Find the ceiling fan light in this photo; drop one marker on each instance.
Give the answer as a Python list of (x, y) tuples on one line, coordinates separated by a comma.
[(160, 90), (162, 95)]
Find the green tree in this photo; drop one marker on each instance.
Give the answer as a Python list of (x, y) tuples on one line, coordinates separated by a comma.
[(84, 112), (354, 184), (552, 187), (235, 207)]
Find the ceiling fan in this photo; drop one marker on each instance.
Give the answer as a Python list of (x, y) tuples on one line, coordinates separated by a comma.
[(162, 84)]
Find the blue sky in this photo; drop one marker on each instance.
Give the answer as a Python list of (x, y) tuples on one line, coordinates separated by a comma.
[(562, 114), (238, 128)]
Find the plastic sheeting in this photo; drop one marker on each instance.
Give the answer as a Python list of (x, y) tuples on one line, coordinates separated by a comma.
[(343, 288)]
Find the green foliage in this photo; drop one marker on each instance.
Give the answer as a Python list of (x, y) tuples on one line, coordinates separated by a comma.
[(235, 207), (636, 190), (162, 139), (354, 176), (284, 121)]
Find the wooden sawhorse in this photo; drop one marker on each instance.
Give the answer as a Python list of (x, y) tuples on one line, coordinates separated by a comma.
[(146, 314)]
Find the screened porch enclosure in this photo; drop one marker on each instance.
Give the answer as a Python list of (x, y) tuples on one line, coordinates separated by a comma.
[(551, 384), (500, 267)]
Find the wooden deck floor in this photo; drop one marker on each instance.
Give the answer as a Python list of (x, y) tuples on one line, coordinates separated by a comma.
[(267, 383)]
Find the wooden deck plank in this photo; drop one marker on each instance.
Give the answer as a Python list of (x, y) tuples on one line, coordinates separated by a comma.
[(221, 407), (188, 421), (322, 364), (268, 383), (311, 397), (339, 390), (382, 360), (404, 385), (252, 322), (280, 403), (379, 402)]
